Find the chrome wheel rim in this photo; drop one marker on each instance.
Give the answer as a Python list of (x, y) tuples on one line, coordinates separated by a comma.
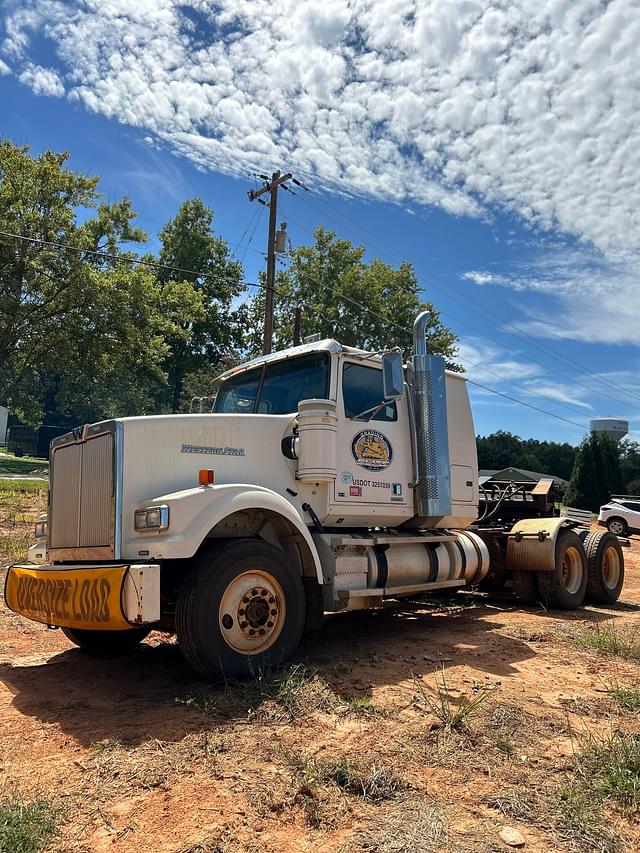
[(616, 528), (611, 567), (572, 570), (252, 612)]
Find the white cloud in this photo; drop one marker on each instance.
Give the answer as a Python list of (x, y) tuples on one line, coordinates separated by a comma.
[(589, 296), (527, 105), (486, 363), (481, 278), (43, 81), (4, 68)]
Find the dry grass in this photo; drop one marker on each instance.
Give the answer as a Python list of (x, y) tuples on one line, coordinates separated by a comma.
[(154, 764), (225, 840), (273, 696), (361, 706), (370, 782), (412, 824), (605, 773), (575, 822), (20, 504)]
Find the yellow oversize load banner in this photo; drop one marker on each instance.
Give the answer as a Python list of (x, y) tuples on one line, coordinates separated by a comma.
[(73, 597)]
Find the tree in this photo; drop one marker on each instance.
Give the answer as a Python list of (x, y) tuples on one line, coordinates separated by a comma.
[(630, 465), (369, 305), (79, 333), (596, 473), (215, 330), (503, 449)]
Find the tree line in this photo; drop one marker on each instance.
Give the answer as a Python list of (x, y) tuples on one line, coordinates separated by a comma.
[(92, 326), (596, 469)]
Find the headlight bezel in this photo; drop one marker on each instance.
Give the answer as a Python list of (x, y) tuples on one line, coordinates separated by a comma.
[(151, 519)]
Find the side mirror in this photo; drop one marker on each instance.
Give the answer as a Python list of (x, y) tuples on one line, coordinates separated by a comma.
[(393, 376)]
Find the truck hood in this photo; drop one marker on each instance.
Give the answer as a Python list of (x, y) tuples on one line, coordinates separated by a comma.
[(163, 453)]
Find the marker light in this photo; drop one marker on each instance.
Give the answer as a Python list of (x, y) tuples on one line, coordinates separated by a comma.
[(205, 476)]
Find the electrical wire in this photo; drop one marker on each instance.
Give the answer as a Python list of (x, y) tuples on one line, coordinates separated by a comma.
[(522, 403), (127, 259), (157, 265), (517, 333)]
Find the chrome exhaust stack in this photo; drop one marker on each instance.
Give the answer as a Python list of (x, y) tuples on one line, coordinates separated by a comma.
[(432, 488)]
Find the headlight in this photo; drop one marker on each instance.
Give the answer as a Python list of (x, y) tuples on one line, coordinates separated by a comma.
[(152, 518), (40, 530)]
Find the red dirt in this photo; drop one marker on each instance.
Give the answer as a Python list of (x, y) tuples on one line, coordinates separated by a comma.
[(173, 777)]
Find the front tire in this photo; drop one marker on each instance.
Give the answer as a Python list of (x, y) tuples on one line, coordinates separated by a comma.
[(566, 585), (107, 643), (605, 567), (240, 610), (617, 526)]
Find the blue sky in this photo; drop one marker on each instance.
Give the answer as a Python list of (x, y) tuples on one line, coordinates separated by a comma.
[(494, 145)]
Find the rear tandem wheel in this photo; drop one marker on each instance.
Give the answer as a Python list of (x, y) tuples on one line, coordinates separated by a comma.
[(565, 587)]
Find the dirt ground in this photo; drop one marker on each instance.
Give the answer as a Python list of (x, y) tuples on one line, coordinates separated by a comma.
[(340, 753)]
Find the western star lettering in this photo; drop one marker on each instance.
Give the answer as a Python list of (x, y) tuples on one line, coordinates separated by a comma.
[(85, 600), (212, 451)]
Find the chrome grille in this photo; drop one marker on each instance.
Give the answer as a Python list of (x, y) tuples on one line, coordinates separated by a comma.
[(81, 510)]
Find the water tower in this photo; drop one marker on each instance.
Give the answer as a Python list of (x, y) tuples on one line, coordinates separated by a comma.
[(615, 428)]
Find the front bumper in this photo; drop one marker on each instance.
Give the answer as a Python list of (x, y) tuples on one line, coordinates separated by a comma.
[(87, 597)]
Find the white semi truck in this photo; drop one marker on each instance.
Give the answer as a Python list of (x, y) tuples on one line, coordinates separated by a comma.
[(325, 479)]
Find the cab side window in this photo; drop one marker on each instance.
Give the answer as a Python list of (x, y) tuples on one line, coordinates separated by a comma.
[(362, 390)]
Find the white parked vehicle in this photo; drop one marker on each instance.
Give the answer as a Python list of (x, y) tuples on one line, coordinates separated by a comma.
[(621, 515), (326, 479)]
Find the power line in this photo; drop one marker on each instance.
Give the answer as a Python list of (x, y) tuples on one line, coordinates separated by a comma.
[(258, 220), (127, 259), (522, 403), (517, 333), (155, 264), (526, 390)]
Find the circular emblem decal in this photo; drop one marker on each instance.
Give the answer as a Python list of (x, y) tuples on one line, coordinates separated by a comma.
[(371, 450)]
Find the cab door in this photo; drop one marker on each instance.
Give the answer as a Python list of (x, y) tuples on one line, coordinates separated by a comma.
[(373, 453)]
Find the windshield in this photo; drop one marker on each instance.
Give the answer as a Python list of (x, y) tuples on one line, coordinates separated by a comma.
[(276, 389)]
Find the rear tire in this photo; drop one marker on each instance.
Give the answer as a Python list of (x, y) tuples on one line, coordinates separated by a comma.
[(617, 526), (605, 567), (566, 585), (525, 587), (107, 643), (240, 610)]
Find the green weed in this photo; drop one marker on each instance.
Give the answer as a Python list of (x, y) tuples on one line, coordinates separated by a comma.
[(452, 714), (627, 697), (27, 827), (607, 640)]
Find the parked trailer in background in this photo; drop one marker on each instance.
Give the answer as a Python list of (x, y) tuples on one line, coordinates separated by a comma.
[(32, 441), (326, 479)]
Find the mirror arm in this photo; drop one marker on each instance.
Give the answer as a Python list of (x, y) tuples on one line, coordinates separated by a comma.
[(372, 412)]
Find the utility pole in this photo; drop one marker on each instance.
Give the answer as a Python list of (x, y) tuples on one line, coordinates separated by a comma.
[(271, 187), (297, 327)]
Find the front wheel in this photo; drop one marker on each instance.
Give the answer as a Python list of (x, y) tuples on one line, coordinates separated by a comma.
[(240, 610), (617, 526), (108, 643), (566, 585)]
